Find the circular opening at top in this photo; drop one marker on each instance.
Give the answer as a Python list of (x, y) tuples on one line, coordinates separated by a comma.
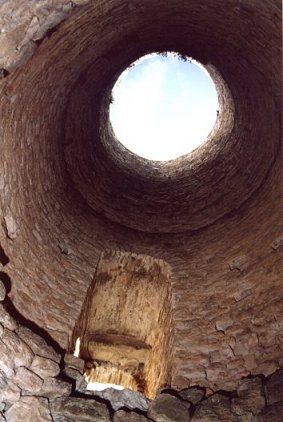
[(163, 106)]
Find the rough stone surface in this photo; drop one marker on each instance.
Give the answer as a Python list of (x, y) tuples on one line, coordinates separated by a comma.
[(11, 226), (124, 398), (11, 393), (78, 409), (74, 362), (123, 416), (21, 353), (167, 408), (6, 361), (215, 215), (2, 289), (79, 379), (274, 388), (44, 367), (215, 408), (193, 394), (38, 344), (57, 167), (27, 380), (272, 413), (29, 409), (53, 388), (24, 396), (6, 319), (251, 397)]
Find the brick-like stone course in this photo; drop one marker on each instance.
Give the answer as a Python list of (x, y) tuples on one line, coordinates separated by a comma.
[(44, 395), (68, 191)]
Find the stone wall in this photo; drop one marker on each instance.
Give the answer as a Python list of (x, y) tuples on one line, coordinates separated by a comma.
[(68, 191), (39, 384)]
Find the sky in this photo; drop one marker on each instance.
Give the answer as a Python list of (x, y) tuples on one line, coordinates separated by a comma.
[(163, 107)]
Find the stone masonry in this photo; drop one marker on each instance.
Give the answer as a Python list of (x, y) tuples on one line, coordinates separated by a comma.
[(69, 191)]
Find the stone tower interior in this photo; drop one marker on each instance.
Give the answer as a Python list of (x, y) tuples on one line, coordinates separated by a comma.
[(168, 274)]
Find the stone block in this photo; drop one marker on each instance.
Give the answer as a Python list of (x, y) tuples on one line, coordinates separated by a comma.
[(216, 408), (38, 344), (167, 408), (193, 394), (250, 397), (6, 361), (272, 413), (122, 416), (74, 408), (29, 409), (79, 379), (124, 398), (27, 380), (11, 226), (274, 387), (244, 344), (21, 352), (3, 384), (2, 289), (239, 263), (277, 243), (53, 388), (224, 324), (74, 362), (44, 367), (7, 320), (12, 393)]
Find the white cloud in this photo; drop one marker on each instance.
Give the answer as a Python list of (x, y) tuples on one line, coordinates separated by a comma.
[(154, 113)]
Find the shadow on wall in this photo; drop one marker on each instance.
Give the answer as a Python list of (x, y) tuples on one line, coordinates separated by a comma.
[(4, 260), (13, 311)]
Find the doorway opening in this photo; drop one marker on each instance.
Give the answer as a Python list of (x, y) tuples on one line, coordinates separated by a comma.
[(124, 330)]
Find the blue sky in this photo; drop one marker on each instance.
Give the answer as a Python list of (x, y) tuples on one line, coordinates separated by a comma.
[(163, 107)]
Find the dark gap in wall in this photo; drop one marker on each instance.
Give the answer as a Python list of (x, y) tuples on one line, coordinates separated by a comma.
[(6, 281), (136, 410), (64, 377), (3, 257), (172, 393), (230, 394), (4, 73)]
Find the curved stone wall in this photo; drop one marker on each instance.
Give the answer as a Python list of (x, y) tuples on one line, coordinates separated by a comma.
[(68, 191), (39, 384)]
